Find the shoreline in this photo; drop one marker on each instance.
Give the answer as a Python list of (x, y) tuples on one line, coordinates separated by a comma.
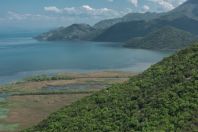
[(30, 101), (9, 79), (70, 74)]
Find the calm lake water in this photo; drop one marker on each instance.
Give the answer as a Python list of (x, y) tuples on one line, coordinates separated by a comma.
[(22, 56)]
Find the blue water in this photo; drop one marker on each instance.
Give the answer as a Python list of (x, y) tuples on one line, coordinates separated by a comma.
[(22, 56)]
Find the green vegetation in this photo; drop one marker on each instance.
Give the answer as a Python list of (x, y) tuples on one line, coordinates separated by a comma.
[(163, 98), (165, 38), (55, 93), (40, 78)]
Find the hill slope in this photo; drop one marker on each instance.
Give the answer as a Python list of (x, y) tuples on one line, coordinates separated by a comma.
[(86, 32), (184, 17), (124, 31), (164, 38), (127, 18), (73, 32), (189, 8), (163, 98)]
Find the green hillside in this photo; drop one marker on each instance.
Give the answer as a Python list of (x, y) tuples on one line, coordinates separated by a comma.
[(163, 98), (164, 38), (122, 32)]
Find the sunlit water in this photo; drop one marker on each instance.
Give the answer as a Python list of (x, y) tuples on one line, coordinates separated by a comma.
[(22, 56)]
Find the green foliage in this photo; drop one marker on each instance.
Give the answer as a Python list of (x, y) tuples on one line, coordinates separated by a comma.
[(40, 78), (163, 98)]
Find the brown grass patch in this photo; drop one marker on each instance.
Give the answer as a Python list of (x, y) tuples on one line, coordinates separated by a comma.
[(32, 109)]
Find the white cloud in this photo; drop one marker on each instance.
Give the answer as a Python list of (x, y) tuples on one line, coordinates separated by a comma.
[(179, 2), (175, 3), (52, 9), (168, 5), (70, 9), (146, 8), (155, 5), (110, 0), (87, 8), (103, 12), (134, 2)]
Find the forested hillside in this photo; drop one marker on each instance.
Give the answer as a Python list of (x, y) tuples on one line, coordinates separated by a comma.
[(122, 32), (163, 98), (166, 38)]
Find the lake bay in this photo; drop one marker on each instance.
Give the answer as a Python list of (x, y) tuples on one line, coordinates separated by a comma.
[(23, 56)]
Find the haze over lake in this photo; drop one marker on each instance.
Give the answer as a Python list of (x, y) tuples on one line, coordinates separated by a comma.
[(22, 56)]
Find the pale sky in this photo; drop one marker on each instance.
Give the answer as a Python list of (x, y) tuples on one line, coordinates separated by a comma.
[(55, 13)]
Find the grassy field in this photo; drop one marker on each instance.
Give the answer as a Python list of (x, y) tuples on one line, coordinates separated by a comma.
[(26, 103)]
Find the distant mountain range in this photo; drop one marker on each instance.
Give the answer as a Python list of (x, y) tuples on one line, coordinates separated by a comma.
[(73, 32), (127, 18), (87, 32), (183, 19)]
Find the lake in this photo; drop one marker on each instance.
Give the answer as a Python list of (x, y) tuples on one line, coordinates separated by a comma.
[(22, 56)]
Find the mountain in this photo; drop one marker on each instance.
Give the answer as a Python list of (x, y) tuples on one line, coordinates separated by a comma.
[(127, 18), (189, 8), (165, 38), (163, 98), (86, 32), (183, 17), (131, 26), (73, 32), (124, 31)]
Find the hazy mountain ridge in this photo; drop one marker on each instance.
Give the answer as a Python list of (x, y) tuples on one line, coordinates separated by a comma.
[(163, 98), (127, 18), (86, 32), (73, 32), (133, 25)]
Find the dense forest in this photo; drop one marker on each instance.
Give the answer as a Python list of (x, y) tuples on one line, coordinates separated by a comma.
[(163, 98)]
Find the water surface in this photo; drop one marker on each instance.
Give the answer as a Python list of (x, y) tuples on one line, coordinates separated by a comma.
[(22, 56)]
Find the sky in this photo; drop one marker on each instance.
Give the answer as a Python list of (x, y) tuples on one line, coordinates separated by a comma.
[(55, 13)]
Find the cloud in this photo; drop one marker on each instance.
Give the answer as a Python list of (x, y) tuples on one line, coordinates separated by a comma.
[(179, 2), (134, 2), (87, 8), (14, 16), (165, 4), (84, 11), (175, 3), (146, 8), (155, 5), (110, 0), (52, 9), (69, 9), (62, 16)]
